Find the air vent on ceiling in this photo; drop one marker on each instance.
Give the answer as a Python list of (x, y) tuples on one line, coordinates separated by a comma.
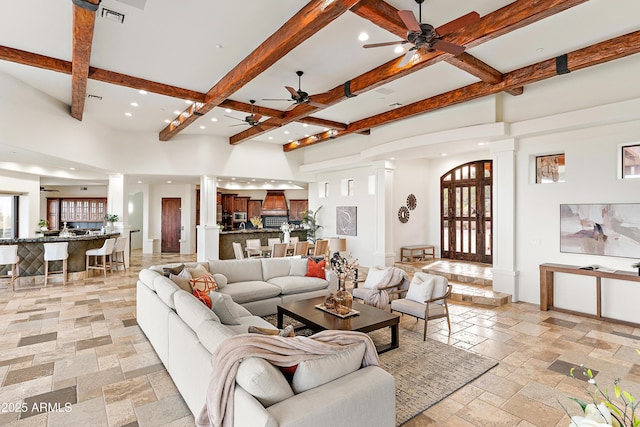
[(112, 15), (96, 97)]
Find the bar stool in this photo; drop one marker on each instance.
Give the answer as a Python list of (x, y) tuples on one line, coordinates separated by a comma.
[(9, 256), (58, 251), (118, 253), (106, 252)]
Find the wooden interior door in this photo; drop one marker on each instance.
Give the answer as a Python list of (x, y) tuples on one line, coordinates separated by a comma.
[(466, 206), (171, 213)]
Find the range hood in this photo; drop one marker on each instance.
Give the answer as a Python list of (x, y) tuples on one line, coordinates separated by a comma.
[(275, 204)]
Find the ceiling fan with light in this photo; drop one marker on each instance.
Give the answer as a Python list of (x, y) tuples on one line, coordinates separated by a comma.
[(297, 96), (252, 119), (425, 36)]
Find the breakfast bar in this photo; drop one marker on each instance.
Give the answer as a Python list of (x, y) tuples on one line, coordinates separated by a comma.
[(31, 253)]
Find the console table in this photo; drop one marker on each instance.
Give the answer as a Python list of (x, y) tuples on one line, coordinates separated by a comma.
[(417, 252), (546, 287)]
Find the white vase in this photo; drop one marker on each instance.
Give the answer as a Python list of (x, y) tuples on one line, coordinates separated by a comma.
[(287, 237)]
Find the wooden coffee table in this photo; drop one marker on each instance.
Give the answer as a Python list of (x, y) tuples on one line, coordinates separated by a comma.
[(369, 319)]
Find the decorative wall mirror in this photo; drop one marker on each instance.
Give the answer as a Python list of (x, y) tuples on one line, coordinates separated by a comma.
[(403, 214)]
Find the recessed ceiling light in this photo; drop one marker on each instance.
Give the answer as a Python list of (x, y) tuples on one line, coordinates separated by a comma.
[(142, 92), (203, 127), (481, 143), (233, 179), (228, 110), (253, 179), (128, 114), (363, 36), (270, 137), (291, 140), (213, 119), (392, 158), (306, 135), (398, 49), (304, 125), (177, 112), (72, 169), (169, 182), (186, 101), (443, 154), (273, 180), (134, 104), (219, 46), (289, 182), (139, 182), (286, 132), (167, 121), (326, 129)]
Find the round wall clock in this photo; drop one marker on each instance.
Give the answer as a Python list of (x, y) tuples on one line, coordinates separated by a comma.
[(403, 214), (411, 202)]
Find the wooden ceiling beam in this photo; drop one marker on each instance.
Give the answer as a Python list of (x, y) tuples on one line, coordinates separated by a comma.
[(34, 60), (314, 16), (599, 53), (84, 18), (386, 16), (495, 24)]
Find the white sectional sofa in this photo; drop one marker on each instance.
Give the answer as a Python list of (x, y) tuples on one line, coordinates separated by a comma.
[(184, 333)]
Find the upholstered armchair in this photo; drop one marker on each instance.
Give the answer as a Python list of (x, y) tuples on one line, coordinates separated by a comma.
[(425, 299)]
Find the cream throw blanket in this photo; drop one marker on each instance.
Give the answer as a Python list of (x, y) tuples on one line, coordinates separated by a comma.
[(378, 297), (280, 351)]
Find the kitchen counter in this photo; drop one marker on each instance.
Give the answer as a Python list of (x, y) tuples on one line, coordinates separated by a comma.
[(31, 253), (241, 236)]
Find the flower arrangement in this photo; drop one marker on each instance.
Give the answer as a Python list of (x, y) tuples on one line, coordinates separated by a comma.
[(609, 412), (111, 217), (344, 267), (256, 221), (285, 227)]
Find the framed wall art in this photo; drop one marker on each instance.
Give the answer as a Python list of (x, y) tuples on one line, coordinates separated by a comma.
[(601, 229), (346, 220)]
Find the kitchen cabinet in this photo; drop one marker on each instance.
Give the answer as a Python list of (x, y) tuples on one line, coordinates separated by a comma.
[(240, 204), (275, 201), (296, 207), (82, 210), (254, 208), (228, 203), (53, 213)]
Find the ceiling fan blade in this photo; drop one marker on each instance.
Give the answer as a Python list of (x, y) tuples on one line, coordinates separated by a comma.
[(234, 118), (267, 124), (448, 47), (257, 117), (293, 92), (407, 58), (239, 124), (276, 99), (458, 23), (317, 104), (291, 107), (384, 44), (410, 21)]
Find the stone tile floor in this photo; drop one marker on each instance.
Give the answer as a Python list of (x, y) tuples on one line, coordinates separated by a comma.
[(74, 356)]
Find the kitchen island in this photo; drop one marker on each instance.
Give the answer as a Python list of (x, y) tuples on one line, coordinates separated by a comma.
[(31, 253), (241, 236)]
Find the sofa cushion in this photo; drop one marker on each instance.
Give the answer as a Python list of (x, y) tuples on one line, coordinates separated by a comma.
[(168, 271), (192, 311), (420, 288), (245, 270), (316, 269), (315, 372), (182, 282), (198, 271), (212, 333), (165, 289), (147, 277), (220, 279), (374, 276), (298, 266), (296, 284), (243, 292), (223, 306), (204, 283), (263, 381), (275, 267)]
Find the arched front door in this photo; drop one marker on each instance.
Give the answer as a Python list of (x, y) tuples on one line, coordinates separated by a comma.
[(466, 203)]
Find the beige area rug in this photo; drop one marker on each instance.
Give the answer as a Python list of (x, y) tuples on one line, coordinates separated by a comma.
[(425, 371)]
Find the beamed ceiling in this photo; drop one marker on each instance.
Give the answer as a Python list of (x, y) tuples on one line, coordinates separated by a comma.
[(202, 62)]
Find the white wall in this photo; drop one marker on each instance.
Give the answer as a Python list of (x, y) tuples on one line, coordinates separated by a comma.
[(136, 218)]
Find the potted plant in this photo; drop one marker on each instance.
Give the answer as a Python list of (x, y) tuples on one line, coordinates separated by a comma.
[(111, 218), (309, 222), (43, 224)]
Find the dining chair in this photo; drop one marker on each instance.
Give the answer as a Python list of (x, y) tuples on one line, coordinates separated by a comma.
[(9, 256), (272, 241), (57, 251), (237, 250), (119, 252), (253, 248), (301, 248), (279, 250), (105, 253), (321, 248), (426, 299)]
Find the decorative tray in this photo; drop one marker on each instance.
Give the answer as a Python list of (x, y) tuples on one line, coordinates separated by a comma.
[(351, 312)]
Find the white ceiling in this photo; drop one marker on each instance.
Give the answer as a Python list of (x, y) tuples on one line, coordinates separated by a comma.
[(176, 43)]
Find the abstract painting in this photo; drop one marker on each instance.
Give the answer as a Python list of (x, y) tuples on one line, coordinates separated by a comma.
[(601, 229), (346, 220)]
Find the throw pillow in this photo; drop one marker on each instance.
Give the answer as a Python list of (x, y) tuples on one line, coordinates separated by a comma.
[(420, 289), (182, 282), (220, 279), (204, 283), (316, 269), (286, 332), (374, 276), (203, 297), (263, 381), (223, 306), (198, 271), (167, 271)]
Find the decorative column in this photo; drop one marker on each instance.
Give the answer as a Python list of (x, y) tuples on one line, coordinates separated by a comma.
[(118, 203), (505, 275), (383, 251), (208, 231)]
